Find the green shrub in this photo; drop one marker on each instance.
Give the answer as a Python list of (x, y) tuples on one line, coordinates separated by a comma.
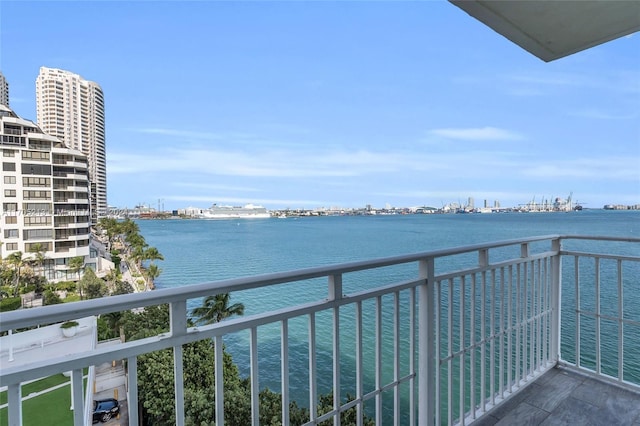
[(66, 286), (10, 304)]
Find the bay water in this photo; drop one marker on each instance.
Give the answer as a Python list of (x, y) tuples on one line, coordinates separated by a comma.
[(197, 251)]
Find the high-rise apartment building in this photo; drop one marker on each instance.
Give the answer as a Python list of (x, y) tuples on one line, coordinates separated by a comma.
[(44, 197), (72, 109), (4, 90)]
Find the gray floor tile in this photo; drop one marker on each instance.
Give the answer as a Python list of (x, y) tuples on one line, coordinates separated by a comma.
[(524, 415), (554, 391)]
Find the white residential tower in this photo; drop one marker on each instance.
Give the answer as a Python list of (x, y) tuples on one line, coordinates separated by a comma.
[(44, 197), (72, 109)]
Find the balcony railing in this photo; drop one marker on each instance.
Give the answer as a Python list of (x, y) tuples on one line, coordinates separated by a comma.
[(466, 328)]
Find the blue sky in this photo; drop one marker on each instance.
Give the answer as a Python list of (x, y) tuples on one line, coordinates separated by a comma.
[(319, 104)]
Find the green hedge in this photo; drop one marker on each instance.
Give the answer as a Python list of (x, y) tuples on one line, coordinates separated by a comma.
[(10, 304)]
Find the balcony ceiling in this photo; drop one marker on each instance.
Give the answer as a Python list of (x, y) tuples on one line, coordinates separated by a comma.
[(554, 29)]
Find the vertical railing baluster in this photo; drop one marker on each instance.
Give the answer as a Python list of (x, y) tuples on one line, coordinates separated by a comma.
[(438, 349), (253, 371), (510, 327), (284, 372), (578, 313), (492, 343), (538, 312), (449, 350), (412, 356), (313, 386), (545, 313), (531, 319), (483, 261), (359, 372), (556, 294), (501, 330), (219, 379), (525, 323), (597, 330), (472, 345), (396, 360), (132, 390), (620, 324), (378, 359), (178, 325), (462, 320), (517, 324)]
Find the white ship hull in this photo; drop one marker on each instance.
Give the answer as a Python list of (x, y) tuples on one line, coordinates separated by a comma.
[(232, 212)]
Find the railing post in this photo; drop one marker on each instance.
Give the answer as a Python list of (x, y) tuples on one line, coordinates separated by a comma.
[(178, 321), (132, 372), (426, 343), (556, 302), (335, 293), (14, 398), (77, 394)]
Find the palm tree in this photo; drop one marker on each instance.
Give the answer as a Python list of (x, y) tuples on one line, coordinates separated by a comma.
[(39, 256), (17, 261), (215, 309), (152, 254), (111, 228), (112, 277), (76, 264), (152, 272)]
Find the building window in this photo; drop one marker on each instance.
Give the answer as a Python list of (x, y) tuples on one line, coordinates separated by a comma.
[(11, 246), (35, 181), (11, 233), (11, 220), (8, 167), (37, 220), (10, 207), (43, 246), (9, 192), (9, 179), (36, 169), (35, 155), (8, 153), (37, 234)]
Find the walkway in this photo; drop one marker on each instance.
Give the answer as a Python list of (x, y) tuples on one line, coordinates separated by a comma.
[(563, 397)]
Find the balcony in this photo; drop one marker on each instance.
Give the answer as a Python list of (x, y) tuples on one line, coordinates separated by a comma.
[(474, 334)]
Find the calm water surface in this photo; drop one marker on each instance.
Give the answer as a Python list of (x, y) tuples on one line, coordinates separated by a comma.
[(197, 251)]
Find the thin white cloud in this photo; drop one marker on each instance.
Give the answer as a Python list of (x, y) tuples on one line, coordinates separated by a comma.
[(619, 168), (603, 115), (213, 187), (476, 134), (207, 200)]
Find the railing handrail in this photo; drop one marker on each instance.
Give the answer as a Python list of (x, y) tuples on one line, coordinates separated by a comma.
[(63, 312), (14, 319)]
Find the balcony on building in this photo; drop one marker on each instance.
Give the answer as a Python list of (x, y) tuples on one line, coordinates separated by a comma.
[(537, 329)]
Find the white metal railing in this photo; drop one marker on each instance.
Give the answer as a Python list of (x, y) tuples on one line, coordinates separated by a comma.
[(478, 323)]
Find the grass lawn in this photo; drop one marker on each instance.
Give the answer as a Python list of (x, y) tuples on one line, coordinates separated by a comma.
[(51, 408)]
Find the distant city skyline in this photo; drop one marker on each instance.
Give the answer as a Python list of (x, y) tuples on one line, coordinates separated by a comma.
[(312, 104)]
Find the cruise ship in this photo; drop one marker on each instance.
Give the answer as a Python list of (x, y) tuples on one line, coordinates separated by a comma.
[(248, 211)]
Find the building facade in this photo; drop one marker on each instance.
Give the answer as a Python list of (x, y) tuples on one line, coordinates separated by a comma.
[(4, 90), (72, 109), (44, 197)]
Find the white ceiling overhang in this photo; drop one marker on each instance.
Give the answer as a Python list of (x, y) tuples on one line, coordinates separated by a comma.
[(552, 29)]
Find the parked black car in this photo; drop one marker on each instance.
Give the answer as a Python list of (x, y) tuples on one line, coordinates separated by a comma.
[(105, 409)]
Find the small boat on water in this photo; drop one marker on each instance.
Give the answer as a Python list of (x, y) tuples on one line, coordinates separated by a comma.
[(248, 211)]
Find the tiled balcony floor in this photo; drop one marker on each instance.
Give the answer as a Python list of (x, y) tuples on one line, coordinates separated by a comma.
[(563, 397)]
